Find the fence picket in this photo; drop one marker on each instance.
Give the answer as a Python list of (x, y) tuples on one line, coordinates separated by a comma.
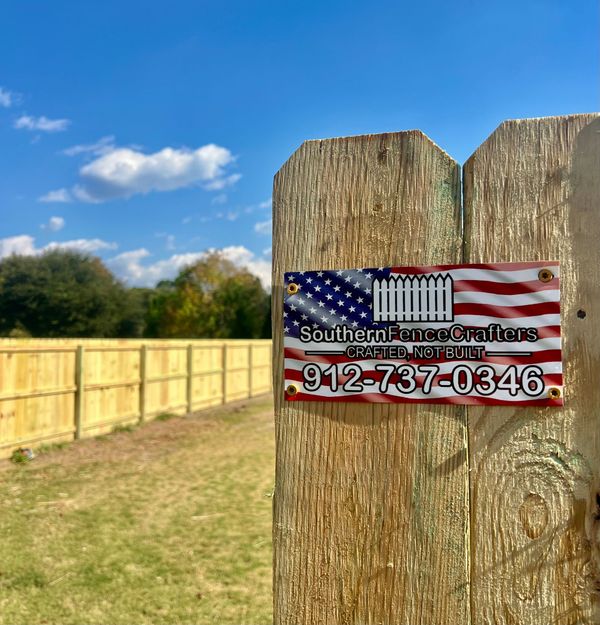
[(349, 546), (413, 298), (535, 473), (448, 298)]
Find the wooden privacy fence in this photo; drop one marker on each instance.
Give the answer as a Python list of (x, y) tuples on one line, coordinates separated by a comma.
[(441, 514), (55, 390)]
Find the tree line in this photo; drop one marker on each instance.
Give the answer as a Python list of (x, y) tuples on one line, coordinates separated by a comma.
[(69, 294)]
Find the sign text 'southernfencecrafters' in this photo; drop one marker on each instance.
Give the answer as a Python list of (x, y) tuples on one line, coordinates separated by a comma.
[(460, 334)]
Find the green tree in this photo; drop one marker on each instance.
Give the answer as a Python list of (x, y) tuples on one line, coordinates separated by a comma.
[(64, 294), (133, 312), (213, 298)]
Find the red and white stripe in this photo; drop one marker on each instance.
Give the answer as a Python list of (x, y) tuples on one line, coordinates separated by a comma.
[(509, 294)]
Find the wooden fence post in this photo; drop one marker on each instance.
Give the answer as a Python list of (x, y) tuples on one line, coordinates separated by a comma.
[(250, 357), (79, 391), (224, 367), (143, 382), (371, 501), (532, 192), (190, 377)]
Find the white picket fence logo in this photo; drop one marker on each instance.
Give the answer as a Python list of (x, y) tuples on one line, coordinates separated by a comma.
[(413, 298)]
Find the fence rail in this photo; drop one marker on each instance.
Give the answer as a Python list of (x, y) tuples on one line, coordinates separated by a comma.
[(55, 390)]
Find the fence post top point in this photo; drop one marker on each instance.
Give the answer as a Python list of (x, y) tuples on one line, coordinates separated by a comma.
[(368, 137), (513, 122)]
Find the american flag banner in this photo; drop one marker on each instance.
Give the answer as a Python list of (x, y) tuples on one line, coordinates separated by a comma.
[(456, 334)]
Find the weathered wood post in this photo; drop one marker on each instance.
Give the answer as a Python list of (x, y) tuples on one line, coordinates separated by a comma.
[(250, 365), (371, 501), (532, 191), (224, 387), (190, 378), (143, 382), (79, 390)]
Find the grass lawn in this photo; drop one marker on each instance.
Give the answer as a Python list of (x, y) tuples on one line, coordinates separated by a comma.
[(169, 523)]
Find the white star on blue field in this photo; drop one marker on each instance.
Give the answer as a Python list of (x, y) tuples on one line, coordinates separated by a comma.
[(329, 298)]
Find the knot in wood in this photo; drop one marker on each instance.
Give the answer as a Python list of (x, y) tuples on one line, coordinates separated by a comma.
[(533, 514)]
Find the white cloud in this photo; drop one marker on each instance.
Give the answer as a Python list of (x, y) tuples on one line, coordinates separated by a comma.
[(219, 199), (102, 146), (264, 227), (130, 268), (229, 215), (169, 240), (252, 208), (129, 265), (221, 183), (81, 245), (42, 123), (21, 245), (24, 245), (58, 196), (123, 172), (7, 98), (243, 257), (54, 223)]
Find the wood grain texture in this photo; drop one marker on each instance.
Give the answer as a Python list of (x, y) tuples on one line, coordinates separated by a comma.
[(532, 192), (371, 501)]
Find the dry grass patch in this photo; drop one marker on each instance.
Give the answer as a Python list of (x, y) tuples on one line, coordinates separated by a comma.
[(169, 523)]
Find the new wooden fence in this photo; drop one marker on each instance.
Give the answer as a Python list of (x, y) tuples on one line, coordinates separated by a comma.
[(54, 390), (408, 513)]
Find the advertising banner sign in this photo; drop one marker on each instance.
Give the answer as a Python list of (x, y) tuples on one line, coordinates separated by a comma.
[(457, 334)]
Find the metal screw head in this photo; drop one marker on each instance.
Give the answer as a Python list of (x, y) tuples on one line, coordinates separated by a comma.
[(545, 275), (554, 393), (291, 390), (292, 288)]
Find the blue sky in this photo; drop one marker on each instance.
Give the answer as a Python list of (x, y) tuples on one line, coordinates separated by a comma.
[(148, 132)]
